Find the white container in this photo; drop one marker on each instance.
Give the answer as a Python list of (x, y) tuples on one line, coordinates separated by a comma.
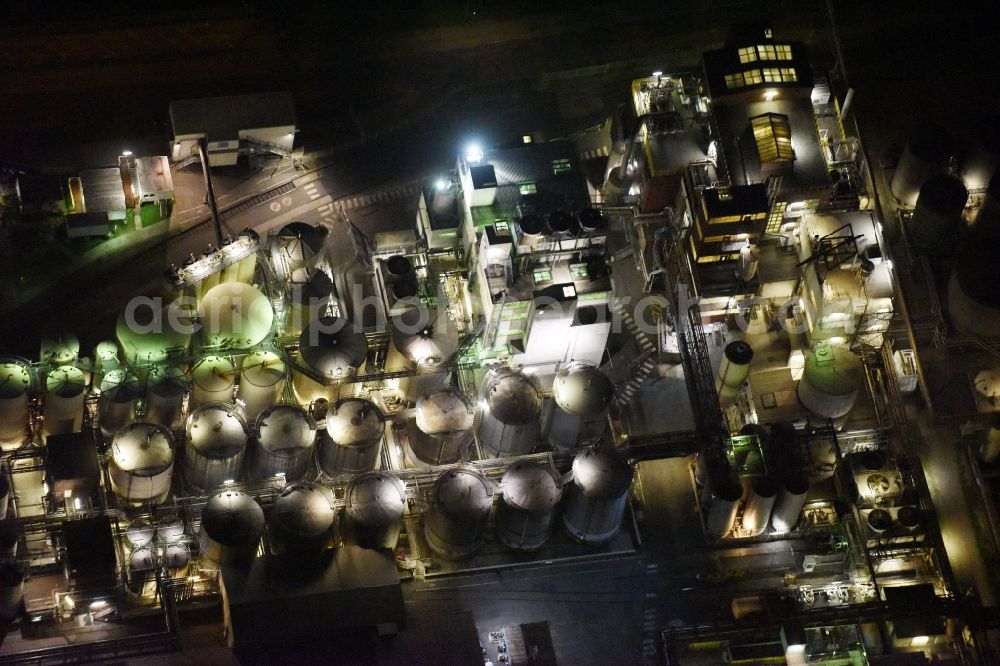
[(65, 388), (261, 382), (213, 379), (141, 462)]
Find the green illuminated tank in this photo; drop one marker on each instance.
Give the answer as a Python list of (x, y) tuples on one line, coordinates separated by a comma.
[(148, 335), (830, 382)]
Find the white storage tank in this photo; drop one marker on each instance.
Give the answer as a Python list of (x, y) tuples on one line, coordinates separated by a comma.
[(231, 525), (120, 391), (286, 435), (354, 430), (531, 491), (791, 499), (235, 315), (212, 380), (830, 383), (601, 479), (724, 496), (509, 425), (375, 505), (59, 349), (262, 381), (165, 391), (141, 462), (65, 392), (455, 524), (140, 532), (169, 528), (424, 336), (303, 520), (760, 503), (442, 430), (937, 222), (332, 348), (176, 557), (149, 334), (734, 369), (583, 395), (15, 384), (216, 443), (106, 356), (925, 154)]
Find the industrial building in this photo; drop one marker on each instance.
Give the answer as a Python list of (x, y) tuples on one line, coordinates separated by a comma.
[(695, 368)]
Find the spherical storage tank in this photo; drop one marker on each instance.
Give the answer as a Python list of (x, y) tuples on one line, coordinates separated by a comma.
[(15, 383), (531, 492), (582, 390), (354, 429), (830, 383), (455, 523), (509, 424), (212, 380), (216, 443), (261, 382), (375, 505), (231, 525), (148, 335), (66, 387), (926, 153), (331, 347), (442, 430), (303, 520), (165, 391), (286, 435), (141, 462), (235, 315), (937, 219), (120, 390), (601, 479)]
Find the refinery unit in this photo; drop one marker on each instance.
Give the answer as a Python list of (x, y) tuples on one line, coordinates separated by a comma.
[(548, 365)]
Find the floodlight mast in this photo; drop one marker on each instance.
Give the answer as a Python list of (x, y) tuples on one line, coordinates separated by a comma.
[(210, 190)]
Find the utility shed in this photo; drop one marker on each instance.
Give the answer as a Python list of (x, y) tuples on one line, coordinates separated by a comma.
[(285, 600), (102, 190)]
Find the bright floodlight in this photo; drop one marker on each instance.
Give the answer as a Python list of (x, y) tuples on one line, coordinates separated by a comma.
[(441, 185), (126, 153), (657, 73), (474, 153), (769, 95)]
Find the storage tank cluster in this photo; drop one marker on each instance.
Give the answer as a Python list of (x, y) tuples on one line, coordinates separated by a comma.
[(441, 433), (509, 424)]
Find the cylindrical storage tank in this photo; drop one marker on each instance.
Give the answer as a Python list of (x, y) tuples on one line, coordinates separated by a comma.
[(149, 334), (723, 505), (398, 267), (212, 380), (582, 390), (333, 348), (879, 520), (982, 161), (211, 280), (141, 462), (120, 391), (424, 336), (176, 557), (231, 525), (286, 435), (165, 391), (142, 559), (139, 532), (560, 222), (308, 301), (601, 479), (791, 499), (532, 225), (4, 495), (234, 315), (66, 387), (105, 358), (355, 428), (989, 450), (734, 370), (509, 425), (216, 444), (937, 218), (757, 512), (169, 528), (973, 300), (61, 349), (246, 268), (908, 517), (11, 590), (303, 520), (15, 383), (375, 505), (442, 431), (298, 247), (926, 153), (524, 516), (830, 383), (455, 524), (262, 381), (592, 220)]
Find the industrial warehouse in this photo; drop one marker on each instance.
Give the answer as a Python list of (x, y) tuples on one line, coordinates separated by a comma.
[(694, 359)]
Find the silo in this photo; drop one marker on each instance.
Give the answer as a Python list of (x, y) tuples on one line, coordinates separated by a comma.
[(298, 247), (262, 381), (303, 520), (601, 479), (148, 334), (926, 153), (169, 528), (760, 503), (165, 391), (106, 357), (212, 380), (11, 590), (455, 523), (216, 444), (830, 383), (15, 383), (442, 430), (973, 300), (286, 435), (120, 391), (375, 505), (424, 336), (354, 430), (721, 495), (509, 423), (234, 315), (332, 348), (937, 219), (560, 223), (791, 499), (59, 349), (230, 273), (211, 280), (139, 532), (524, 516), (141, 462), (983, 159), (400, 276), (582, 390), (734, 369), (176, 557), (231, 525), (308, 301), (66, 388)]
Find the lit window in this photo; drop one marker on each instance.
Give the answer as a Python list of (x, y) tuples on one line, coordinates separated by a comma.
[(542, 275), (578, 271), (527, 188), (788, 74), (766, 51), (771, 74), (560, 166), (752, 77), (734, 81), (773, 137), (502, 227), (782, 52), (747, 54)]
